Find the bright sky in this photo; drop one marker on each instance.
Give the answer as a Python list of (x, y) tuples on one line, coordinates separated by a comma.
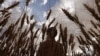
[(40, 8)]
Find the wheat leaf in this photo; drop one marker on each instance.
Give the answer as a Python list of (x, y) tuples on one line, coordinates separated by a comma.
[(51, 22), (27, 2), (68, 14), (13, 5), (49, 14)]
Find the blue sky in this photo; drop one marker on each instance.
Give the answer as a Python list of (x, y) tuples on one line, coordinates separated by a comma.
[(38, 6), (39, 9)]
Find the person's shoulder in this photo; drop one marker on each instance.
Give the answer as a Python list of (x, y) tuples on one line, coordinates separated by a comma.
[(43, 43)]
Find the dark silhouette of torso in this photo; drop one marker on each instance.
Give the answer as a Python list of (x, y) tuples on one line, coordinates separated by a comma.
[(50, 48)]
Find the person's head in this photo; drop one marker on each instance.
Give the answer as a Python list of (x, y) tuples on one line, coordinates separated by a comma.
[(51, 33)]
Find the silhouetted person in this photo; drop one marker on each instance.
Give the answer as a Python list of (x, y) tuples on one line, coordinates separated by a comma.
[(50, 47)]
